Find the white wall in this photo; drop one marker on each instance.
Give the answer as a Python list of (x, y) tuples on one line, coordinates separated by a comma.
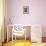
[(37, 12)]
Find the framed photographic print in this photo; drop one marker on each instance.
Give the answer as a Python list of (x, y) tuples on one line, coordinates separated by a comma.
[(26, 10)]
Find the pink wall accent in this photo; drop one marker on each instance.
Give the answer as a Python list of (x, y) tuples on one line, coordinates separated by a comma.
[(37, 12)]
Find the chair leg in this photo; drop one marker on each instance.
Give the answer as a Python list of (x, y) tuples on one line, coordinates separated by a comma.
[(15, 38), (12, 37), (25, 36), (2, 44)]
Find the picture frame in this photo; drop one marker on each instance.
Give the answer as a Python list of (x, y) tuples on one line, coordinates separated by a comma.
[(25, 9)]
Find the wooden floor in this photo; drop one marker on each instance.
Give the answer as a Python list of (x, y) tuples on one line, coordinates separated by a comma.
[(43, 39), (18, 43), (23, 43)]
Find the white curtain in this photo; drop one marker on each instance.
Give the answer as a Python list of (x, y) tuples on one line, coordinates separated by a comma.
[(1, 20)]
